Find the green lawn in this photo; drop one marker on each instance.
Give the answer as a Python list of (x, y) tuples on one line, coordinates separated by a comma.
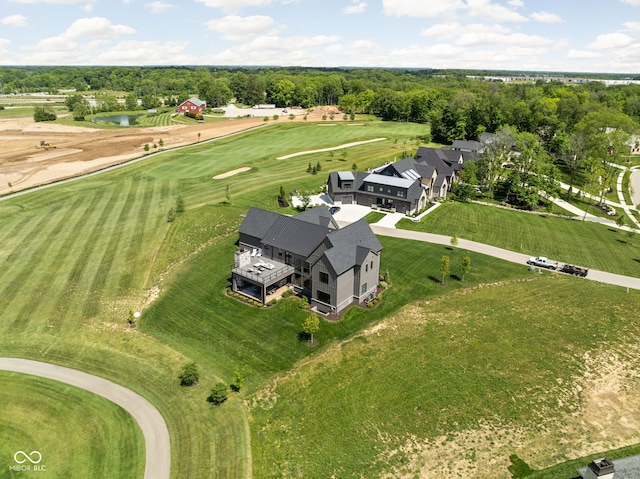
[(77, 433), (573, 241), (500, 355), (77, 257)]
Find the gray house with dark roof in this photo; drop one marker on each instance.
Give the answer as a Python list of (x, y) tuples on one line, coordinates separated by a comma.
[(335, 267)]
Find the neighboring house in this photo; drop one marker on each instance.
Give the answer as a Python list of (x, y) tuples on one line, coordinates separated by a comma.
[(334, 266), (192, 105), (404, 186), (470, 146)]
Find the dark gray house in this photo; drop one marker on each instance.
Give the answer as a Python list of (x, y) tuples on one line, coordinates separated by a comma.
[(334, 267), (406, 185)]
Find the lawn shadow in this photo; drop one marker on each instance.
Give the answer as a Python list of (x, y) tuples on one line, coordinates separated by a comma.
[(434, 279)]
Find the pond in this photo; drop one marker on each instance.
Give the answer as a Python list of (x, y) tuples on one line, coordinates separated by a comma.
[(121, 120)]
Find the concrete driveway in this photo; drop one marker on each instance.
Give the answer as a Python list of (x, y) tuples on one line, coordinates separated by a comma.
[(151, 422)]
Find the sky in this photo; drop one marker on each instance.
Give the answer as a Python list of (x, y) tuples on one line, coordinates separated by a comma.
[(541, 35)]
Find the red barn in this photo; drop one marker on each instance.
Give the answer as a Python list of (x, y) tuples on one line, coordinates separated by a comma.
[(192, 105)]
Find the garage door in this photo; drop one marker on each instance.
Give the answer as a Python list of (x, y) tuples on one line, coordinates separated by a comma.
[(347, 200)]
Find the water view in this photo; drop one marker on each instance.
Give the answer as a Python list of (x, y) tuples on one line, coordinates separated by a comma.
[(121, 120)]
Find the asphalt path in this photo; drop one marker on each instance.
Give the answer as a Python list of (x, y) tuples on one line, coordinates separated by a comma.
[(593, 275), (154, 429), (635, 184)]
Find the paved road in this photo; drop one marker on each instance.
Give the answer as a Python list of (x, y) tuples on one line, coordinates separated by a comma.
[(154, 429), (594, 275), (635, 184)]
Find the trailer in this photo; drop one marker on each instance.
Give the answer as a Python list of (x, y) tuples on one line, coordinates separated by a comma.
[(265, 106), (543, 262)]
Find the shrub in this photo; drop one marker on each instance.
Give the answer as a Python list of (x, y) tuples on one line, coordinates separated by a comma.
[(189, 375), (43, 114), (219, 394), (383, 284), (238, 381), (304, 303)]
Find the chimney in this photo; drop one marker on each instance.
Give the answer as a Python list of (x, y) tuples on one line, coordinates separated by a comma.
[(600, 469)]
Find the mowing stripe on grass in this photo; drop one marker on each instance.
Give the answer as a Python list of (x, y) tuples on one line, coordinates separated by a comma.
[(57, 260), (71, 288), (136, 243), (97, 289), (12, 290)]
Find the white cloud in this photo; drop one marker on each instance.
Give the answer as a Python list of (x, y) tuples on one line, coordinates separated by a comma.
[(54, 2), (355, 7), (494, 11), (632, 26), (546, 17), (146, 52), (236, 28), (635, 3), (158, 7), (233, 6), (274, 50), (611, 40), (14, 20), (420, 8), (582, 54), (477, 34), (516, 3), (96, 27)]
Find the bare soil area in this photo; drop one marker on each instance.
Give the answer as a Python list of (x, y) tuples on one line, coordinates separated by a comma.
[(82, 150)]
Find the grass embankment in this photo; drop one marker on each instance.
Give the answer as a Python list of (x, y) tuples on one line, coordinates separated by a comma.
[(454, 384), (78, 256), (77, 433), (580, 242)]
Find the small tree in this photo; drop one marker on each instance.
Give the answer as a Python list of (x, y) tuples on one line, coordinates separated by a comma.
[(318, 166), (444, 268), (171, 215), (465, 267), (281, 192), (131, 319), (227, 194), (161, 142), (189, 375), (219, 394), (354, 167), (146, 147), (311, 325), (179, 205), (314, 171), (309, 168), (454, 241), (304, 303), (238, 381)]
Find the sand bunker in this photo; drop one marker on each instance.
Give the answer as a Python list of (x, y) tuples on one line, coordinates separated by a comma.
[(340, 147), (231, 173)]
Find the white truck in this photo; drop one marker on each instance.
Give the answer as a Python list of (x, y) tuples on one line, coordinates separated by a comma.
[(542, 262)]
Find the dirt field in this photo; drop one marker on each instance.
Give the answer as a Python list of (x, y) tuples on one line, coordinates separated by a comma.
[(81, 150)]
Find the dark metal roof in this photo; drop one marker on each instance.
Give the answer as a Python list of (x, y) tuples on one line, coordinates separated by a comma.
[(350, 245), (295, 236), (257, 222), (320, 216)]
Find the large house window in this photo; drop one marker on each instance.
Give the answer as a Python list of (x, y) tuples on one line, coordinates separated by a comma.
[(364, 288), (400, 194), (370, 188), (347, 186), (324, 297), (324, 278), (366, 268)]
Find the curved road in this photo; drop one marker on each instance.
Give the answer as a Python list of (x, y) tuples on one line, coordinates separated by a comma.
[(154, 429), (594, 275)]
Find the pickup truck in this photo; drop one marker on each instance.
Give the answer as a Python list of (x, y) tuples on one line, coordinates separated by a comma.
[(542, 262)]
